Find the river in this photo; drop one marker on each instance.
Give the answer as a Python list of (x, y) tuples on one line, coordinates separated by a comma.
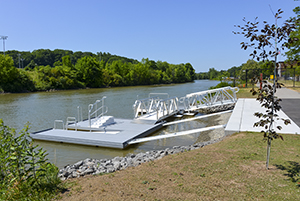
[(40, 109)]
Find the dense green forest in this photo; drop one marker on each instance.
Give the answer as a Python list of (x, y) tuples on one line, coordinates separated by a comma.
[(62, 69)]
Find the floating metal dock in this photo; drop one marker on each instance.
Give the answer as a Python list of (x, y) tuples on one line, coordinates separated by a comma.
[(149, 116), (116, 135)]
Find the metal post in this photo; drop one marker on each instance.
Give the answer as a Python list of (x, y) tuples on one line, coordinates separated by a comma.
[(3, 38), (294, 77), (19, 60), (246, 78), (22, 59), (234, 79)]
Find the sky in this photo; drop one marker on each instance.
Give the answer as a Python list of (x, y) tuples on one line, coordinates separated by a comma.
[(175, 31)]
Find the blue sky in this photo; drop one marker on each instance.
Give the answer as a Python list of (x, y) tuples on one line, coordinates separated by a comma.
[(194, 31)]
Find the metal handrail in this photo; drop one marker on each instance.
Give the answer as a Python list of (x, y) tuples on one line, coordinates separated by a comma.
[(71, 120), (149, 105), (79, 113), (58, 121), (166, 107), (103, 108), (146, 105), (209, 98)]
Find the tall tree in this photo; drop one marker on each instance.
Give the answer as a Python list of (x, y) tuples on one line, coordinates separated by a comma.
[(89, 71), (213, 73), (8, 72)]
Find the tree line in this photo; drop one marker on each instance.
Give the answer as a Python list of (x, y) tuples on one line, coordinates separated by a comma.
[(251, 68), (63, 69)]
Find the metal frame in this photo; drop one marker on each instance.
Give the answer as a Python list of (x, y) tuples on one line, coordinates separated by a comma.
[(146, 139), (145, 106), (103, 108), (209, 98), (166, 107)]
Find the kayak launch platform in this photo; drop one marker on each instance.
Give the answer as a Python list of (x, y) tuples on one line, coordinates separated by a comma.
[(116, 135), (149, 116)]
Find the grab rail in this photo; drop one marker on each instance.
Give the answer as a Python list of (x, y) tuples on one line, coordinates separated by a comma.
[(71, 120), (79, 113), (96, 109), (58, 121), (145, 106)]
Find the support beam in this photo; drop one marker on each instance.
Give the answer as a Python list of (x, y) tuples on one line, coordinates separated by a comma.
[(146, 139), (200, 117)]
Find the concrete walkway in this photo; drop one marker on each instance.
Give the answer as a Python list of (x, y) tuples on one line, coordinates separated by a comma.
[(242, 118), (285, 93)]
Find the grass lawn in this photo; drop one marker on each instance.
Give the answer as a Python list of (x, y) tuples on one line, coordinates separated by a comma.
[(244, 93), (233, 169), (289, 83)]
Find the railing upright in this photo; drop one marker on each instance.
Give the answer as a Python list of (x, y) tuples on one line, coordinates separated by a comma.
[(79, 113), (91, 113)]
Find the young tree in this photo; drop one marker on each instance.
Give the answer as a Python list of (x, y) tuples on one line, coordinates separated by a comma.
[(266, 43)]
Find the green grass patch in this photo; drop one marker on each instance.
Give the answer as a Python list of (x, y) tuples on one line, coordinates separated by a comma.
[(244, 93), (233, 169)]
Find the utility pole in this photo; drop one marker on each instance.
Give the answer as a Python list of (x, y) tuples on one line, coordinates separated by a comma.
[(3, 38), (19, 60), (22, 59)]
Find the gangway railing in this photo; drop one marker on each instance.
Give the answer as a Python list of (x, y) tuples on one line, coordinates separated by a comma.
[(208, 98), (166, 107), (145, 106), (154, 108), (94, 109)]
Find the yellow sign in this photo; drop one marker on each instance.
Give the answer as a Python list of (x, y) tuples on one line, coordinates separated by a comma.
[(271, 77)]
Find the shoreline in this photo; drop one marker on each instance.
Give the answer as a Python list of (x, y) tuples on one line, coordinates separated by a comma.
[(90, 166), (104, 87), (103, 166)]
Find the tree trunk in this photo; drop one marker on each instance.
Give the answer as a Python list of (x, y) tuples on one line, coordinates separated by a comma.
[(268, 152)]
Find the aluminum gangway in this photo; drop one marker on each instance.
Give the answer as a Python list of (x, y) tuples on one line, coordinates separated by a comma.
[(209, 98), (157, 109), (154, 108)]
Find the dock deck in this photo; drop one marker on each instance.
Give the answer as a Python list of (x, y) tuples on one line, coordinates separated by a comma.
[(114, 136)]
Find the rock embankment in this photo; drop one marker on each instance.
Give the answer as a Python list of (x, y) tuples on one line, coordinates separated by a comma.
[(218, 108), (102, 166)]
